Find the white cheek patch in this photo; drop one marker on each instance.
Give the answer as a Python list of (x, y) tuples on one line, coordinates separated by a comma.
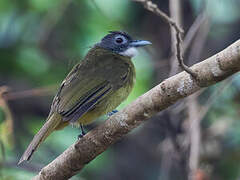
[(130, 52)]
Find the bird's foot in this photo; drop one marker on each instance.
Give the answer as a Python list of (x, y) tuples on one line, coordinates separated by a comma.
[(111, 113), (80, 136), (82, 132)]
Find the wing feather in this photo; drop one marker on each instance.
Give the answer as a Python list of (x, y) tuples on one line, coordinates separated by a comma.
[(82, 89), (80, 109)]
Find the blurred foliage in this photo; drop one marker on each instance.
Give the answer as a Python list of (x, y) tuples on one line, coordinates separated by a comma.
[(41, 40)]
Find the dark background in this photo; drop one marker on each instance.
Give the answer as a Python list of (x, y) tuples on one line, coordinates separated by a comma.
[(41, 40)]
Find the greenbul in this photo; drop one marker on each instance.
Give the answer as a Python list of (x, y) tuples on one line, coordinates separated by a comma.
[(94, 87)]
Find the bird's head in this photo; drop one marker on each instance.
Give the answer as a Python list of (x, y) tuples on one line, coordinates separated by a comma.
[(121, 43)]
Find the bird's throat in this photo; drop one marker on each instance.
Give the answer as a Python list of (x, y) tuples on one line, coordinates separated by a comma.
[(130, 52)]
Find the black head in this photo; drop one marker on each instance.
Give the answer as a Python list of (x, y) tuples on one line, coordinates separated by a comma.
[(121, 43)]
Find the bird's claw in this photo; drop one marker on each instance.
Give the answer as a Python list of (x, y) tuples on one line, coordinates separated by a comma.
[(82, 132), (111, 113), (80, 136)]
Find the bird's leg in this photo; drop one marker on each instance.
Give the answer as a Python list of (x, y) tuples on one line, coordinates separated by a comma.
[(82, 132), (111, 113)]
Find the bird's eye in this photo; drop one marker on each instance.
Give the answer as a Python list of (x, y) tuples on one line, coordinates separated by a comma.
[(119, 40)]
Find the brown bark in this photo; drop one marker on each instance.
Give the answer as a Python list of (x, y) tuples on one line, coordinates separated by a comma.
[(209, 71)]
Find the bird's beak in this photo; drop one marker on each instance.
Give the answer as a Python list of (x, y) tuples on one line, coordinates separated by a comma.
[(139, 43)]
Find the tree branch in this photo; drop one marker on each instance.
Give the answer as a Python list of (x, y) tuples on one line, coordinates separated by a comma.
[(42, 91), (210, 71), (199, 21), (149, 5), (175, 14), (194, 135)]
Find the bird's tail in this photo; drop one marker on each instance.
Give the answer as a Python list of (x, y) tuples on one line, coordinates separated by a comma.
[(52, 122)]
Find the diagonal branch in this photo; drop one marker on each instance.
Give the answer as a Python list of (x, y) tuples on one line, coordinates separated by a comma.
[(210, 71)]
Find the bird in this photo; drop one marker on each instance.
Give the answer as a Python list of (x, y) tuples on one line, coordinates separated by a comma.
[(94, 87)]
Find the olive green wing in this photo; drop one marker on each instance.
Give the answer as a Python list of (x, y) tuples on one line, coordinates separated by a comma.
[(86, 102), (82, 90)]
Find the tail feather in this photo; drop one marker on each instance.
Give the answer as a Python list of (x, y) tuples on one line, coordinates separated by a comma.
[(42, 134)]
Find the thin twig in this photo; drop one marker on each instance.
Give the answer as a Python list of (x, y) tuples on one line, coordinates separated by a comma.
[(149, 5), (43, 91), (176, 15), (194, 135), (180, 58), (188, 39)]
